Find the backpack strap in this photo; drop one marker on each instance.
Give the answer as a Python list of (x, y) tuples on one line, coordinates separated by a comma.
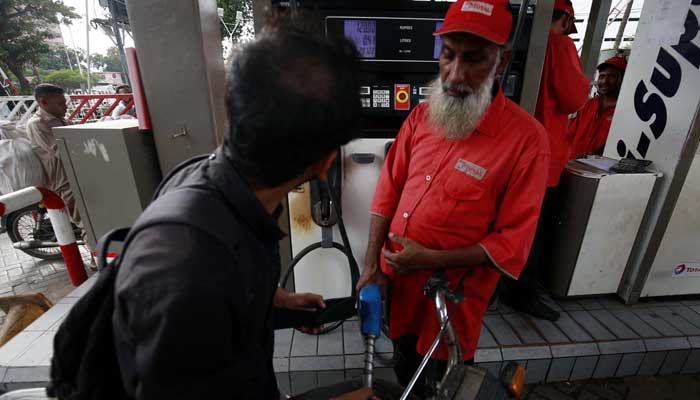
[(205, 210), (115, 235)]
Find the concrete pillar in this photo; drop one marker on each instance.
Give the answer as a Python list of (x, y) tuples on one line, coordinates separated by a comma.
[(178, 43), (595, 32)]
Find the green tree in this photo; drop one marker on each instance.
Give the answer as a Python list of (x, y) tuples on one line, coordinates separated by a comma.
[(68, 79), (55, 58), (245, 27), (24, 27), (109, 61)]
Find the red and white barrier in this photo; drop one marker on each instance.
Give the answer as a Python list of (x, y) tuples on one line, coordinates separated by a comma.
[(59, 220)]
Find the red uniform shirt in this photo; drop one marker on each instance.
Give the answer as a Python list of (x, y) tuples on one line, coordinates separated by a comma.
[(563, 90), (484, 190), (589, 130)]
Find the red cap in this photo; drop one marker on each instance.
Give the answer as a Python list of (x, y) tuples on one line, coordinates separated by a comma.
[(615, 62), (568, 6), (489, 19)]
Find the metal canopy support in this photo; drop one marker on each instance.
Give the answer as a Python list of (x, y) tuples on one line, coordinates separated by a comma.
[(597, 23), (623, 25), (118, 39), (535, 54), (181, 61)]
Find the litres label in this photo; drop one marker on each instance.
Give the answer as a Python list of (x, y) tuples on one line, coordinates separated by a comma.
[(687, 270), (402, 97)]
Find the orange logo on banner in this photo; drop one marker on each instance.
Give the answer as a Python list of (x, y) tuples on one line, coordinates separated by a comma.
[(402, 97)]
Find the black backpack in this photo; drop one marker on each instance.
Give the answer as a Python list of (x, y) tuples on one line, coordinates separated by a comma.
[(84, 363)]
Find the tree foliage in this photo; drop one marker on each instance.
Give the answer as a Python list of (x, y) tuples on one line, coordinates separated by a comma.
[(68, 79), (24, 27), (107, 62), (55, 58)]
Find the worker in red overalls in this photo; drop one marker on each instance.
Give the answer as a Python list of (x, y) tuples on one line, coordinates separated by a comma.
[(460, 190), (563, 90), (588, 132)]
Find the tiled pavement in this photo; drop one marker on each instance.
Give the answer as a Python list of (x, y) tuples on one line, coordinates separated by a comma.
[(676, 387), (595, 339), (304, 362), (21, 274)]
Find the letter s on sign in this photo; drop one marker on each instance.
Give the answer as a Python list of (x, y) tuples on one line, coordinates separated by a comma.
[(668, 86), (649, 107)]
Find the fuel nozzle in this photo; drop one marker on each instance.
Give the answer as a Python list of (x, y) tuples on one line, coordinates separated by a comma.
[(371, 319), (324, 211)]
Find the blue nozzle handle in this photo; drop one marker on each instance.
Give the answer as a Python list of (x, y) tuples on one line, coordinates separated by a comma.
[(371, 310)]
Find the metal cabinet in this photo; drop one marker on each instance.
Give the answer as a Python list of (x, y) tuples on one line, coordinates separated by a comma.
[(113, 171), (600, 215)]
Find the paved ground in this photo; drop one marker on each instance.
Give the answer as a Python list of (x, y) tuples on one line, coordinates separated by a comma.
[(20, 274), (679, 387)]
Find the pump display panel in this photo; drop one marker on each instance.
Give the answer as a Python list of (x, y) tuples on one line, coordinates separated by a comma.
[(399, 54), (400, 57), (386, 39)]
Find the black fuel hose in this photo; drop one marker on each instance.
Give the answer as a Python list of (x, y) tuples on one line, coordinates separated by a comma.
[(345, 248)]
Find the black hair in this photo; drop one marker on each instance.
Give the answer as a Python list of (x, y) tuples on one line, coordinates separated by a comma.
[(292, 98), (120, 87), (45, 89)]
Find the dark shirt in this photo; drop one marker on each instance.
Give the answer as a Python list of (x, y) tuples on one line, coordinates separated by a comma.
[(193, 313)]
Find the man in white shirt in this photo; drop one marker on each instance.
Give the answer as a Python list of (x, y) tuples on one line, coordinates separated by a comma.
[(118, 111)]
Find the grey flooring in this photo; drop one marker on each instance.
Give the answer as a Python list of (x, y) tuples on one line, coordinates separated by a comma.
[(594, 338)]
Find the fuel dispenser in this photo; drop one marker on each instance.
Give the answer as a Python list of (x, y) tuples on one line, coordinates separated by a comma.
[(398, 60)]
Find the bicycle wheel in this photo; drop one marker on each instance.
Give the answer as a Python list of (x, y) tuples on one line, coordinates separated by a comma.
[(29, 224)]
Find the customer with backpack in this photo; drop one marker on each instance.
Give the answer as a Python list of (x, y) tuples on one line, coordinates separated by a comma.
[(195, 289)]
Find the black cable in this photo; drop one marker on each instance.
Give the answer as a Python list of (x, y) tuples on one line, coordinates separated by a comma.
[(345, 248), (295, 261), (354, 268)]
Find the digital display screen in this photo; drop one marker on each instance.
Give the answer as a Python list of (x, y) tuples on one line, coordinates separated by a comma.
[(438, 42), (363, 32), (383, 39)]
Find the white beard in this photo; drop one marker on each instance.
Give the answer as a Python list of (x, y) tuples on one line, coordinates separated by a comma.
[(458, 116)]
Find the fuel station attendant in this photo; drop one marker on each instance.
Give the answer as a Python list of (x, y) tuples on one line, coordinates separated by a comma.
[(460, 189), (564, 89), (588, 132)]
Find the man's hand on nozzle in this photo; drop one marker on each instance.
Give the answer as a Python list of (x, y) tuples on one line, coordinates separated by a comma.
[(371, 273)]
